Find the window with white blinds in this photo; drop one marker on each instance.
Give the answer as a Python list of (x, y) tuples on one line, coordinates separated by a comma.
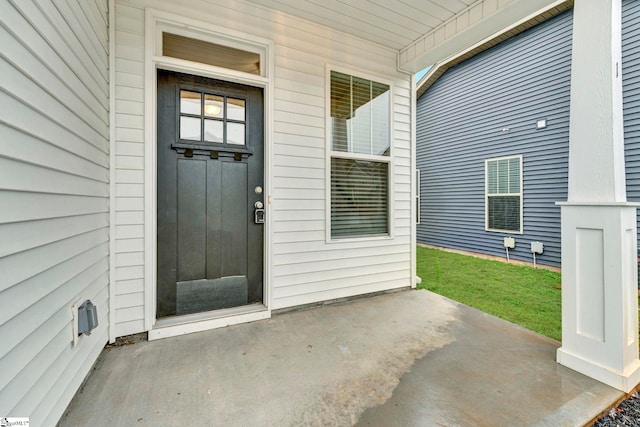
[(503, 201), (360, 156)]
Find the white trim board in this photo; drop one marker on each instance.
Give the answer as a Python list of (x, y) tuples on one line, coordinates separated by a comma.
[(198, 323), (155, 21), (112, 172), (329, 67)]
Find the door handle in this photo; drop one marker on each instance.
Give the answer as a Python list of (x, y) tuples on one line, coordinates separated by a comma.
[(258, 213)]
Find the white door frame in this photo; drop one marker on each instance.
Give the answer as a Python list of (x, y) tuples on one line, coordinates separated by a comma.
[(155, 23)]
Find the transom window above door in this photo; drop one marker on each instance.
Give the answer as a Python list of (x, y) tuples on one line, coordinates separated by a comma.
[(212, 118)]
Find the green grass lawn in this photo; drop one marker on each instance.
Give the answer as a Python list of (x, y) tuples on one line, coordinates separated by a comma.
[(523, 295)]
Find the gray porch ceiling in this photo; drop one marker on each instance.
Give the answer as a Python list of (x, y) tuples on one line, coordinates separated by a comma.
[(422, 31)]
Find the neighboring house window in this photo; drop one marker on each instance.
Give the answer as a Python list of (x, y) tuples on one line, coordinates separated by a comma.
[(503, 203), (360, 156)]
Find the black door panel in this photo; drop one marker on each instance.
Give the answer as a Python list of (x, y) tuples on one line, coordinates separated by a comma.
[(210, 251)]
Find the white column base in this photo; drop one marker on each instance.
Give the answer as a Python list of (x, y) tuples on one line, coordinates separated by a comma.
[(624, 381), (599, 293)]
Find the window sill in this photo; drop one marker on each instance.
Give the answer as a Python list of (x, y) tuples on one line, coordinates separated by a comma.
[(372, 238), (492, 230)]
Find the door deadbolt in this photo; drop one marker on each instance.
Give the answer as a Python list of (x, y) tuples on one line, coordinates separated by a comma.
[(258, 212)]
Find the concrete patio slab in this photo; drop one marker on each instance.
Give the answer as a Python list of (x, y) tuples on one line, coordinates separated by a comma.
[(406, 359)]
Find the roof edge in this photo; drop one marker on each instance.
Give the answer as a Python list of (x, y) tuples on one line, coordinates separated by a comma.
[(439, 68)]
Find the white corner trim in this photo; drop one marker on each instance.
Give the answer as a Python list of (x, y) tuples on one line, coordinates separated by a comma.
[(414, 184), (150, 182), (111, 307), (269, 135)]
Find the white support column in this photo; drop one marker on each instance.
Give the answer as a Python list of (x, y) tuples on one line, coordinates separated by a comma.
[(599, 276)]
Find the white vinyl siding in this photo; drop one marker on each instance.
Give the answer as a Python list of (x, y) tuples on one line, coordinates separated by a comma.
[(459, 123), (54, 221), (129, 173), (304, 268), (503, 194)]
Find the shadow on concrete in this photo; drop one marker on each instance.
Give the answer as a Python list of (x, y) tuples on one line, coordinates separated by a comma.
[(406, 359)]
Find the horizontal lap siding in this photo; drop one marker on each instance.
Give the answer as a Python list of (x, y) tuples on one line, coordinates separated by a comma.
[(460, 124), (305, 268), (54, 173), (129, 173), (631, 98), (460, 119)]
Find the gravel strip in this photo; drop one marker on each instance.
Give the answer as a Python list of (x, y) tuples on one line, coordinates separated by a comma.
[(626, 414)]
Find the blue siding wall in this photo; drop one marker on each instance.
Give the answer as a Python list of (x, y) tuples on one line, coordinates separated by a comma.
[(460, 124), (631, 99)]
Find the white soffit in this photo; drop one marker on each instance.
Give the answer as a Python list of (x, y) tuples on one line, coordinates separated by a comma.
[(439, 68), (477, 24), (390, 23), (424, 32)]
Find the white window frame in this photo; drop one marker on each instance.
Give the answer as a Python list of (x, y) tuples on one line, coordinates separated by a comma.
[(355, 156), (486, 194)]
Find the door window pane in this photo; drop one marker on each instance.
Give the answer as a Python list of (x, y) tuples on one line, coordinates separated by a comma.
[(224, 118), (214, 106), (213, 131), (190, 128), (235, 133), (190, 102), (235, 109)]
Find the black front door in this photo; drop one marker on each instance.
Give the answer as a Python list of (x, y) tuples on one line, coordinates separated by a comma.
[(210, 178)]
